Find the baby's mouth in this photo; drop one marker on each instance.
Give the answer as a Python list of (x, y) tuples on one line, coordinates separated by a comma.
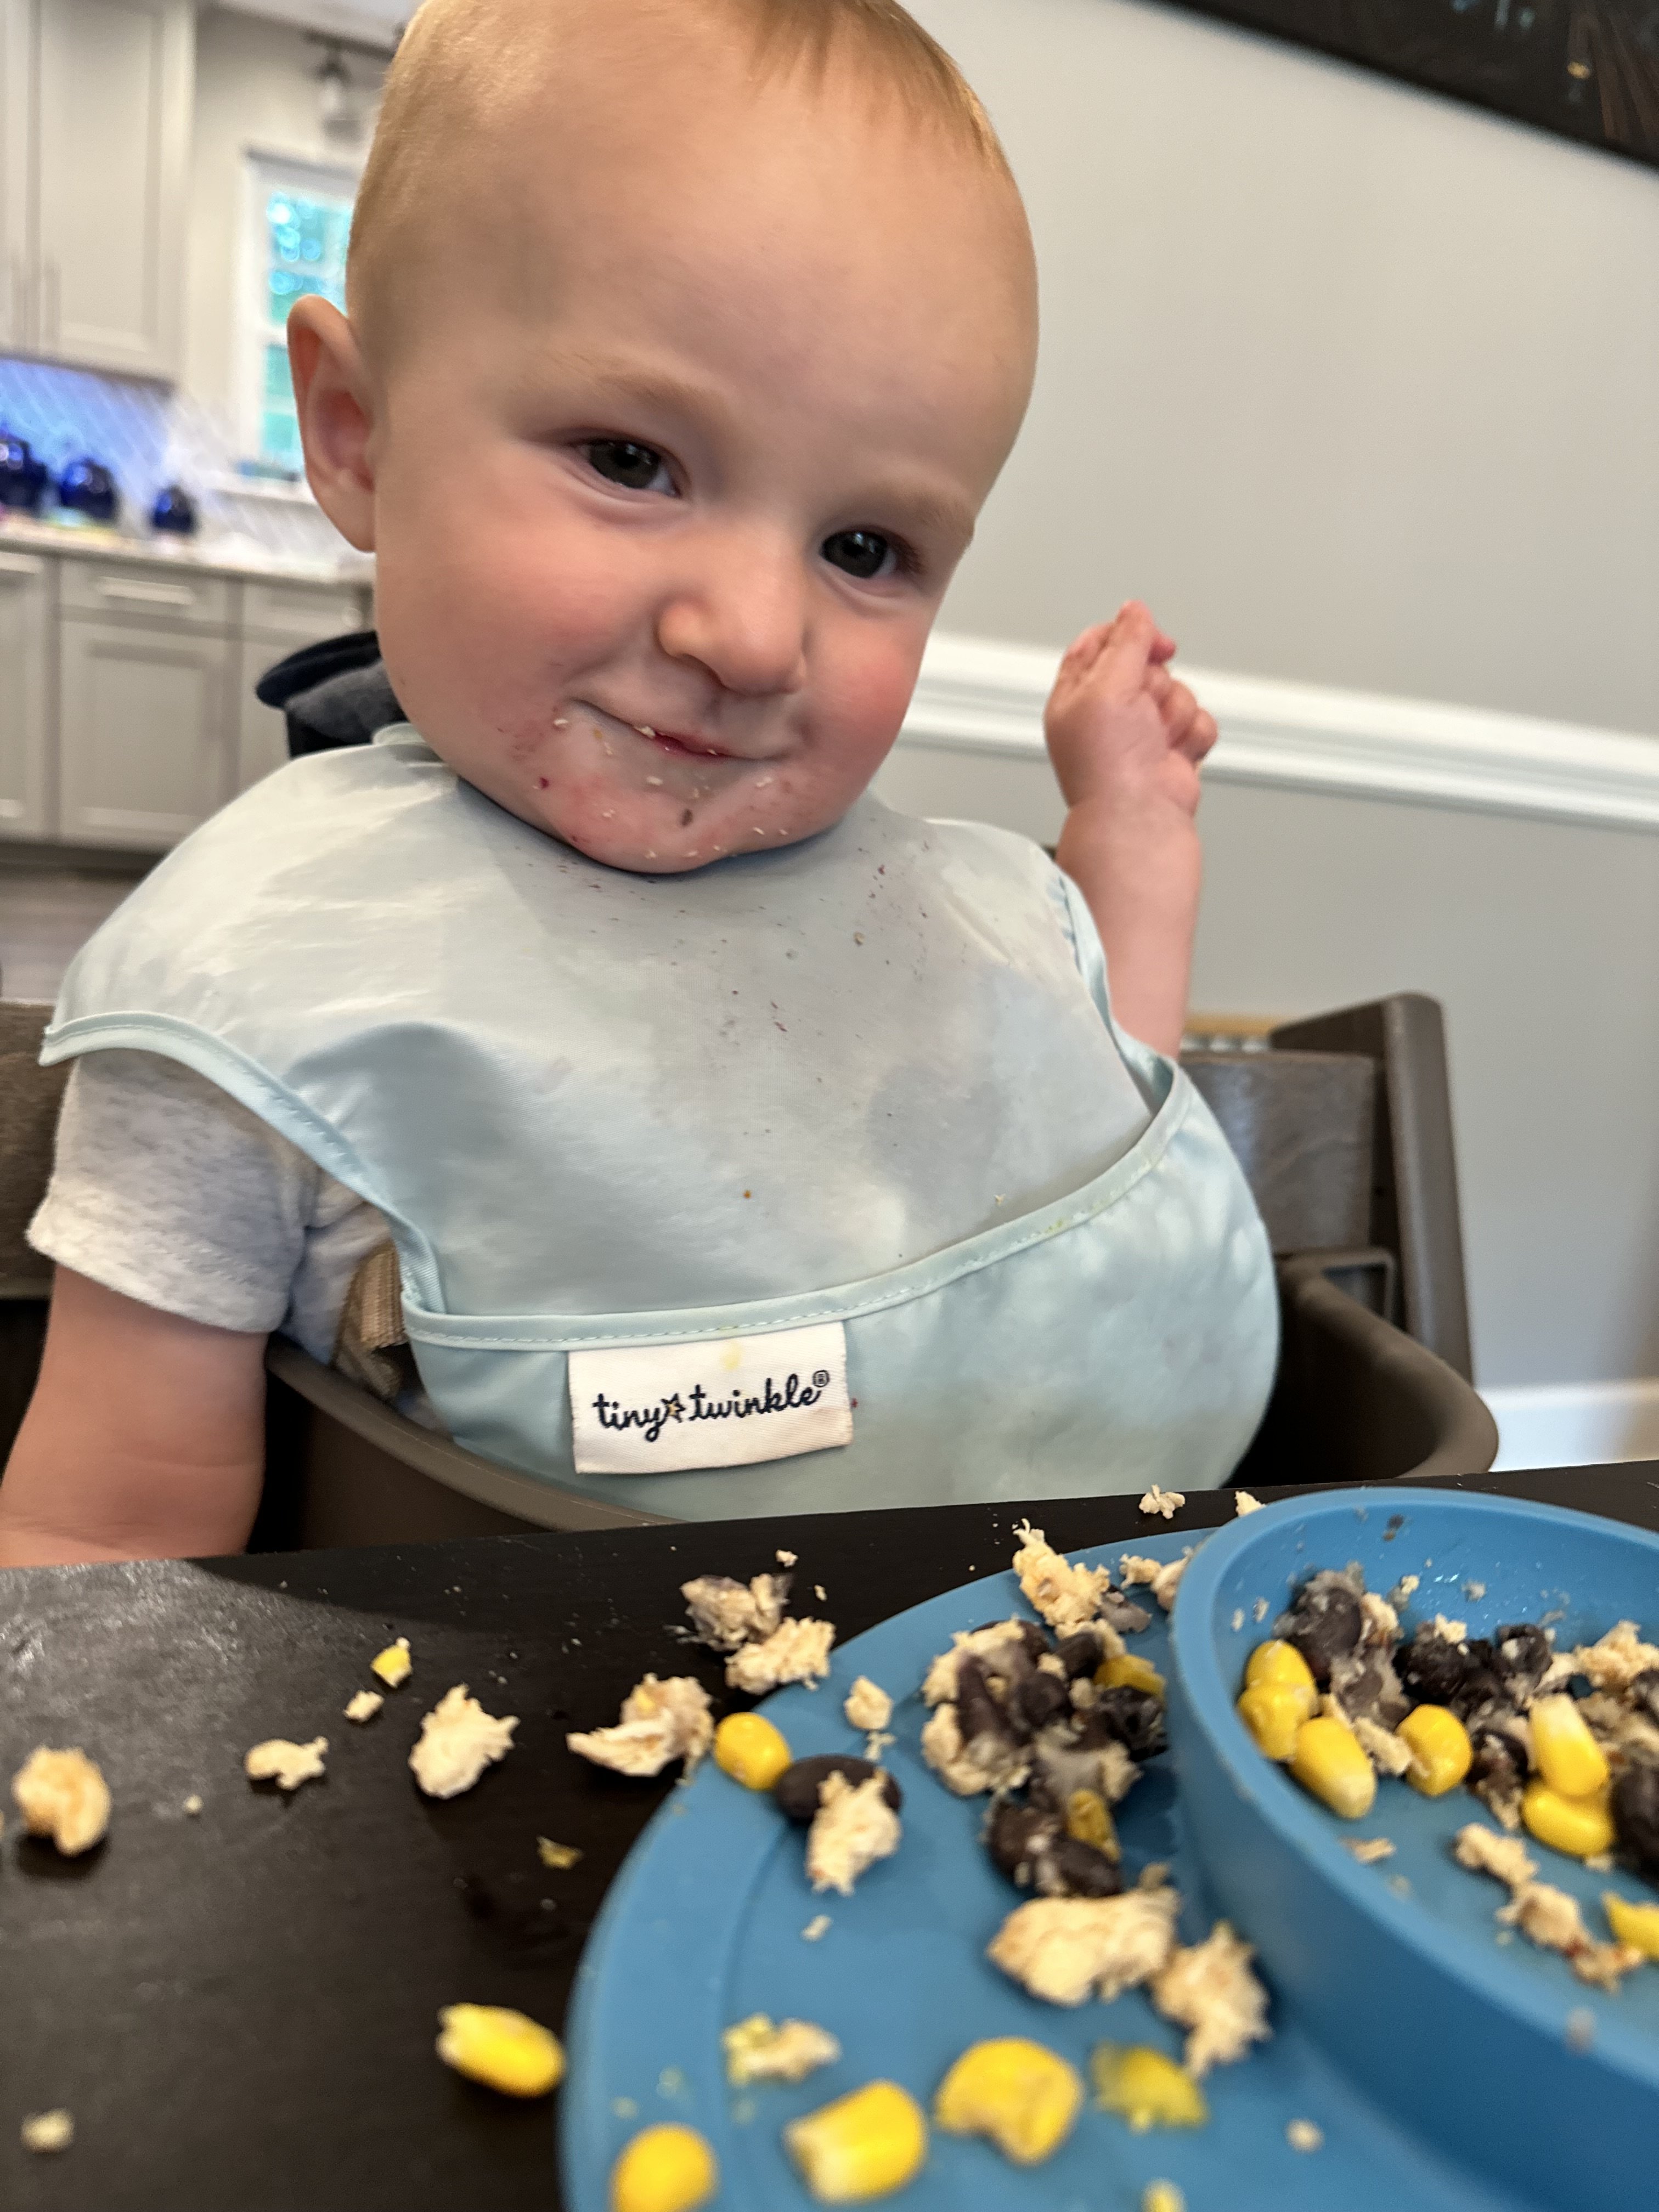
[(687, 750)]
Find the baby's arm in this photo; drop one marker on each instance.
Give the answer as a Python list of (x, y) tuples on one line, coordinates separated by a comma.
[(144, 1439), (1127, 740)]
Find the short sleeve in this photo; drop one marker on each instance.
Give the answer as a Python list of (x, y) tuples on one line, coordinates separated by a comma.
[(170, 1192)]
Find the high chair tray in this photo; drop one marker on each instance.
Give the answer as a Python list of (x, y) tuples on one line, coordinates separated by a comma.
[(704, 1927)]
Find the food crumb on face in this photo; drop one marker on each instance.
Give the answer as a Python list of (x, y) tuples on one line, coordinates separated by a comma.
[(48, 2131), (1368, 1850), (867, 1705), (1164, 1504), (364, 1705), (560, 1857), (394, 1665), (815, 1929), (287, 1765), (458, 1740), (1243, 1504), (62, 1794), (1304, 2135)]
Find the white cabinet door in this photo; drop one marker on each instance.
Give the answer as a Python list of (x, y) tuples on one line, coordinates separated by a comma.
[(262, 734), (16, 162), (114, 82), (26, 617), (145, 733)]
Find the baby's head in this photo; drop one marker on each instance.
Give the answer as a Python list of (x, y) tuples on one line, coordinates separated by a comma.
[(686, 339)]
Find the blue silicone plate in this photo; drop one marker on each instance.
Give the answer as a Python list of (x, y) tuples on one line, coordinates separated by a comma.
[(704, 1926)]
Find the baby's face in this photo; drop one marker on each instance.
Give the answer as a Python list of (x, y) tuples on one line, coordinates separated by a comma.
[(677, 451)]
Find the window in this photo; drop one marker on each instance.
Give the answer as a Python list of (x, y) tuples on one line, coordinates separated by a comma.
[(300, 218)]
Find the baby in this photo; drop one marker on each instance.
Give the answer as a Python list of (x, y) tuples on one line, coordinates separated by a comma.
[(745, 1146)]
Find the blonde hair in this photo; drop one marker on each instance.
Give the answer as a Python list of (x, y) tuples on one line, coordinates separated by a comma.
[(460, 72)]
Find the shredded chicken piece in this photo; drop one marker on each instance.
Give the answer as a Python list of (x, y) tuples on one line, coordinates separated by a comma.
[(287, 1765), (867, 1705), (985, 1762), (62, 1794), (1243, 1504), (1615, 1660), (854, 1826), (1163, 1576), (364, 1705), (1381, 1621), (1304, 2135), (1616, 1727), (46, 2132), (1483, 1850), (1061, 1947), (1403, 1589), (1388, 1752), (661, 1721), (1211, 1990), (725, 1613), (1164, 1503), (1068, 1597), (458, 1741), (1452, 1631), (1368, 1850), (1545, 1915), (786, 1559), (997, 1648), (795, 1651), (756, 2050)]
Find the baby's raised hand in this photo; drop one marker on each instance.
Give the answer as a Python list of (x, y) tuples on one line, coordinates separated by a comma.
[(1121, 732)]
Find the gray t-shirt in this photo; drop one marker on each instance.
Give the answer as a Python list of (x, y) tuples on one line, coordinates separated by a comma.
[(141, 1140)]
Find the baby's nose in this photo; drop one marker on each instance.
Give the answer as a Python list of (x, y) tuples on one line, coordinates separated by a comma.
[(742, 615)]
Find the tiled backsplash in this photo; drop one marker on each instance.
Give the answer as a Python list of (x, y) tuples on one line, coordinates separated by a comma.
[(149, 437)]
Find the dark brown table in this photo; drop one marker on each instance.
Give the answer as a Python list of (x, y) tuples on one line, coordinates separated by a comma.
[(238, 2008)]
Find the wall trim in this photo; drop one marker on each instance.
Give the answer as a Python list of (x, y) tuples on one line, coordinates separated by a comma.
[(1575, 1423), (981, 695)]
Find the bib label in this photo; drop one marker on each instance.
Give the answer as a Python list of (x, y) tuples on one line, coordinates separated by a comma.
[(727, 1401)]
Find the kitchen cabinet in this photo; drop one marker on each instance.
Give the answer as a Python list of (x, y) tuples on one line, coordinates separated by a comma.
[(144, 732), (97, 151), (25, 620), (277, 619)]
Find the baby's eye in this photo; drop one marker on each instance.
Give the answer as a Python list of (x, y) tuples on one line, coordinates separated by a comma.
[(625, 462), (862, 553)]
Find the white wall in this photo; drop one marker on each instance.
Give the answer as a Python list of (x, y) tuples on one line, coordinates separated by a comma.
[(1355, 384), (256, 90)]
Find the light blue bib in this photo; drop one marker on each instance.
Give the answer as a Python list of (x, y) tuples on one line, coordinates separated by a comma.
[(866, 1085)]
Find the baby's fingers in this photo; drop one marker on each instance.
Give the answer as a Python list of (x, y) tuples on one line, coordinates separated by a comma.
[(1136, 647)]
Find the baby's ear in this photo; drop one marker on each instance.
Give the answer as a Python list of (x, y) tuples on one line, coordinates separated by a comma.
[(331, 390)]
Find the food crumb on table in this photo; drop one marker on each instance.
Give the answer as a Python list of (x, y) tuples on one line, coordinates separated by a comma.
[(48, 2131), (458, 1741), (560, 1857), (1164, 1504), (1238, 1619), (503, 2049), (817, 1927), (394, 1665), (786, 1559), (62, 1794), (661, 1721), (1368, 1850), (287, 1765), (1243, 1504), (795, 1651), (192, 1804), (820, 1593), (1161, 1576), (1304, 2135), (726, 1613), (757, 2051), (364, 1705), (1259, 1610)]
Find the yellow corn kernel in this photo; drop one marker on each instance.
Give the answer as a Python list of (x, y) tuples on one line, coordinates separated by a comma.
[(1564, 1751), (394, 1665), (502, 2049), (863, 2146), (1330, 1761), (1022, 2096), (1089, 1821), (1275, 1661), (1273, 1712), (1145, 2089), (1129, 1671), (1440, 1749), (1580, 1826), (1162, 2197), (665, 2169), (1635, 1924), (750, 1750)]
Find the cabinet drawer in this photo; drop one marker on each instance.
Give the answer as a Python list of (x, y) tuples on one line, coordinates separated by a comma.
[(131, 591), (299, 614)]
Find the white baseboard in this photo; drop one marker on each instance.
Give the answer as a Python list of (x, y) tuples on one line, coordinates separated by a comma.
[(982, 695), (1575, 1423)]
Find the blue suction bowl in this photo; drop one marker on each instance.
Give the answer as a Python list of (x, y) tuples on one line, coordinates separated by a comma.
[(1472, 2036)]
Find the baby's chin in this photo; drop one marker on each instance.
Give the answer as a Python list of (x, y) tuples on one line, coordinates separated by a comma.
[(649, 839)]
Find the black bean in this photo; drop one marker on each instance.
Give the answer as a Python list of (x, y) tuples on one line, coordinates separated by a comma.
[(1522, 1653), (1644, 1694), (1135, 1717), (1013, 1833), (797, 1788), (1039, 1699), (1635, 1815), (1079, 1654), (978, 1712), (1078, 1869), (1438, 1672), (1325, 1622)]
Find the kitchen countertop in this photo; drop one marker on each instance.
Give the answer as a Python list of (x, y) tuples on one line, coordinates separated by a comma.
[(238, 2008), (241, 558)]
